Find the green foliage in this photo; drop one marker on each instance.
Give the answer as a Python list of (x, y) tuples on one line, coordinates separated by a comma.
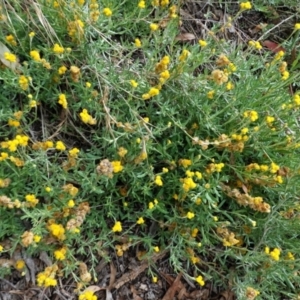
[(192, 148)]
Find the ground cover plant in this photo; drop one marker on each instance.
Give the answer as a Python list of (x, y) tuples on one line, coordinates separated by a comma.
[(120, 132)]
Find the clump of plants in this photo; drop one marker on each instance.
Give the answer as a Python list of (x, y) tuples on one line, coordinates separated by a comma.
[(116, 135)]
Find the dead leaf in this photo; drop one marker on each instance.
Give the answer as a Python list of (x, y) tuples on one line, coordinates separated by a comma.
[(175, 287), (12, 65), (228, 295), (94, 288), (258, 28), (138, 270), (272, 46), (113, 272), (199, 294), (6, 263), (109, 295), (185, 37), (135, 293)]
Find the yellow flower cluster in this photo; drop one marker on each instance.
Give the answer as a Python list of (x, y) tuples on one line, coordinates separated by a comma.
[(10, 57), (211, 168), (57, 230), (76, 30), (57, 49), (158, 181), (188, 183), (283, 70), (32, 200), (184, 55), (255, 44), (200, 280), (151, 204), (60, 146), (60, 254), (24, 82), (185, 162), (117, 166), (245, 5), (161, 3), (107, 12), (117, 227), (47, 278), (62, 100), (251, 293), (251, 114), (87, 118), (87, 295), (274, 254), (151, 93), (228, 237), (19, 140), (11, 40)]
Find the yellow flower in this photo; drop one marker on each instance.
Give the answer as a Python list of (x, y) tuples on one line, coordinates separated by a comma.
[(71, 203), (165, 170), (32, 103), (297, 26), (30, 198), (142, 4), (87, 295), (202, 43), (133, 83), (1, 248), (117, 166), (190, 215), (229, 86), (184, 55), (62, 100), (275, 254), (151, 205), (154, 26), (60, 146), (200, 280), (274, 168), (156, 249), (31, 34), (185, 162), (140, 221), (35, 55), (57, 49), (210, 94), (23, 82), (138, 43), (107, 12), (62, 70), (13, 123), (11, 39), (73, 152), (158, 181), (188, 183), (37, 238), (122, 151), (117, 227), (10, 57), (154, 279), (60, 254), (245, 5), (20, 264), (57, 230), (251, 293), (88, 84)]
